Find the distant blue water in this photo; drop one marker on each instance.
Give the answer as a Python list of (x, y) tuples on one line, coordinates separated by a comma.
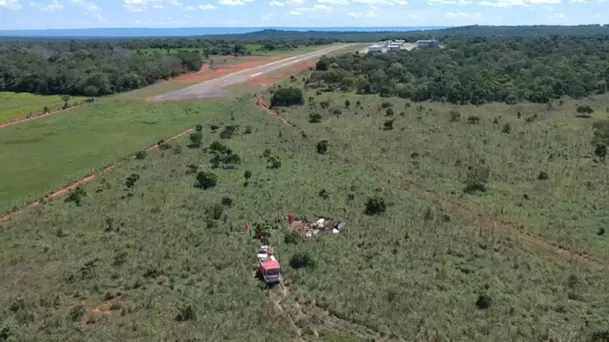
[(191, 31)]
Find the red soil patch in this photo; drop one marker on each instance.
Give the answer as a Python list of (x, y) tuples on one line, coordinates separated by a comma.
[(103, 309), (207, 73), (89, 178)]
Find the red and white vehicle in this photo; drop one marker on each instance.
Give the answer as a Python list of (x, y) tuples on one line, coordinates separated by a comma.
[(268, 266)]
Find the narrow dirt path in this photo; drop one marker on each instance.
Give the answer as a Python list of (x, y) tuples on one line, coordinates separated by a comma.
[(87, 179), (477, 214), (276, 301), (23, 120)]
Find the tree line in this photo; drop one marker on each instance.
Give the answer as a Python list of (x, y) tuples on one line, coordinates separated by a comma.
[(477, 70), (89, 72)]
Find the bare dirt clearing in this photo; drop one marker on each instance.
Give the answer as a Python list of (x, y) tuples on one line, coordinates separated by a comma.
[(215, 87)]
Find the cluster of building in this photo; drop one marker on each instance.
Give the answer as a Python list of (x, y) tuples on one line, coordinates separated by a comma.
[(400, 45)]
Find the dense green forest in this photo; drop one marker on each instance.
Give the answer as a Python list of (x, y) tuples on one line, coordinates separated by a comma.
[(477, 70), (479, 64), (90, 72)]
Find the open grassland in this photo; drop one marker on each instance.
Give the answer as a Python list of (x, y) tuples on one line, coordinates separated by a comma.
[(568, 207), (19, 105), (43, 155), (175, 264)]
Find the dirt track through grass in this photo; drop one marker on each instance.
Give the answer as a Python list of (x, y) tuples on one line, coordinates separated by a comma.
[(472, 213)]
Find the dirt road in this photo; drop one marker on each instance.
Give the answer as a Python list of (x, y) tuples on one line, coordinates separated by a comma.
[(214, 87)]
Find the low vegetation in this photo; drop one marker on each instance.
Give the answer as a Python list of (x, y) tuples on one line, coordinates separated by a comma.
[(457, 228), (22, 105)]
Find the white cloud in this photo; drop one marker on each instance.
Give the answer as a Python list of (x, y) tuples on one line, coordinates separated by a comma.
[(142, 5), (10, 4), (231, 2), (267, 16), (536, 2), (361, 14), (52, 7), (466, 15), (207, 7), (548, 9), (381, 2), (449, 2), (581, 1), (86, 4), (561, 17), (503, 3), (333, 2), (276, 3), (98, 17), (305, 10)]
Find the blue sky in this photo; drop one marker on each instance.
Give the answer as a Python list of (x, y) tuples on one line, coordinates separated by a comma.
[(48, 14)]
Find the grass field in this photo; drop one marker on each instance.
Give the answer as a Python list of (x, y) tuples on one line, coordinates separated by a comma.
[(52, 152), (18, 105), (175, 266)]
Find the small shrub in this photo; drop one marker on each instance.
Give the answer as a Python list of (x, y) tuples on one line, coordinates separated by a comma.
[(337, 111), (228, 132), (507, 128), (302, 260), (314, 118), (287, 97), (454, 116), (177, 149), (247, 175), (322, 147), (206, 180), (584, 111), (389, 112), (45, 109), (214, 127), (386, 104), (476, 180), (227, 201), (347, 103), (542, 175), (324, 104), (141, 155), (219, 147), (186, 313), (292, 238), (165, 146), (273, 162), (214, 211), (248, 130), (192, 168), (484, 301), (195, 139), (388, 125), (601, 231), (199, 128), (131, 180), (473, 120), (324, 194), (76, 195), (375, 206)]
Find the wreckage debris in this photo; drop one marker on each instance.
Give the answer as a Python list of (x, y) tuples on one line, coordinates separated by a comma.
[(308, 229)]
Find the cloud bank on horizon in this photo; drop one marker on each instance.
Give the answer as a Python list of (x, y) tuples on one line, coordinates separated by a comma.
[(55, 14)]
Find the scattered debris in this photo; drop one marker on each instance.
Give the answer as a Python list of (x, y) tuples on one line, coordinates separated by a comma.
[(308, 229)]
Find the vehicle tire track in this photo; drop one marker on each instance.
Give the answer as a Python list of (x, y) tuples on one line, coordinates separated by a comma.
[(86, 179), (24, 120), (476, 214), (276, 300)]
